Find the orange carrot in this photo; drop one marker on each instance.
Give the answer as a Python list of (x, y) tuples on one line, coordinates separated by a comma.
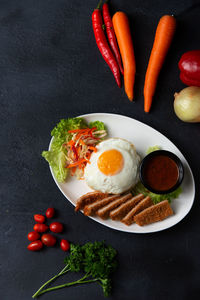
[(163, 37), (71, 143), (123, 35), (77, 163), (79, 130), (81, 142)]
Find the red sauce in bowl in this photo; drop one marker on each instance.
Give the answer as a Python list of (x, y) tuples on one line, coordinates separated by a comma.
[(161, 173)]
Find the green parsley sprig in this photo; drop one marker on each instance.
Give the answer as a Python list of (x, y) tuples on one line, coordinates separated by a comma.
[(97, 260)]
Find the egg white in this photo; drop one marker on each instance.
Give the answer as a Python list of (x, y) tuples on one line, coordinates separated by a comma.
[(120, 182)]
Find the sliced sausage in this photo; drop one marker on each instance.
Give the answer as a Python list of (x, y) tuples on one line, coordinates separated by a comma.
[(89, 198), (91, 209), (129, 218), (105, 211), (121, 211), (154, 213)]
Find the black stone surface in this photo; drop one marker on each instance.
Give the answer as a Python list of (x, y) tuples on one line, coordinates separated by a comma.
[(50, 68)]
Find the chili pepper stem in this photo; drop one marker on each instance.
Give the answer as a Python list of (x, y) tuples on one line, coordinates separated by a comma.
[(99, 4)]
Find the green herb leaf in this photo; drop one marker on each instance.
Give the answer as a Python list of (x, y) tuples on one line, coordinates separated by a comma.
[(96, 260)]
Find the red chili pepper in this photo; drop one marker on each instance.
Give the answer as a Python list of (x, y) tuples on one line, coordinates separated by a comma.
[(97, 24), (93, 129), (189, 66), (75, 152), (111, 35), (92, 133)]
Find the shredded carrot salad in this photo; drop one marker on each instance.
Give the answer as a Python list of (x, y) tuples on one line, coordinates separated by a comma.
[(80, 148)]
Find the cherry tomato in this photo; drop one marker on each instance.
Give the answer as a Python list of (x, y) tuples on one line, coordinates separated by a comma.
[(33, 236), (50, 212), (35, 246), (48, 239), (64, 245), (39, 218), (40, 227), (56, 227)]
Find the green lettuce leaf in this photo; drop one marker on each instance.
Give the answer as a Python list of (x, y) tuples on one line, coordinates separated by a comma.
[(60, 132), (153, 148), (170, 196), (57, 161), (156, 198), (98, 124)]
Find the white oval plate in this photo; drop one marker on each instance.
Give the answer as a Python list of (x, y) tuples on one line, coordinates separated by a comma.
[(142, 136)]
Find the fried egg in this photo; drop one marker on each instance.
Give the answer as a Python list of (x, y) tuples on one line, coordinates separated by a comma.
[(114, 167)]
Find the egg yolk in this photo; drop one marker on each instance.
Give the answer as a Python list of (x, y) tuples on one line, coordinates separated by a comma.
[(110, 162)]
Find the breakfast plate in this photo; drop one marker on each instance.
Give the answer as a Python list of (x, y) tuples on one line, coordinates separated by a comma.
[(143, 137)]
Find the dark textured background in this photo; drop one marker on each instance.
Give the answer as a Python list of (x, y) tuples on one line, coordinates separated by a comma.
[(50, 68)]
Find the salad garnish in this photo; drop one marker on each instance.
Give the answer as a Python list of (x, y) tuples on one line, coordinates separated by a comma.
[(73, 143), (80, 148)]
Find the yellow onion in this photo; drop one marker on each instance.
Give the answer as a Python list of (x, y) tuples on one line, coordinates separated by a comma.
[(187, 104)]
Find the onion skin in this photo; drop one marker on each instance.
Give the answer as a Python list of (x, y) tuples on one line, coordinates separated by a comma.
[(187, 104), (189, 65)]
